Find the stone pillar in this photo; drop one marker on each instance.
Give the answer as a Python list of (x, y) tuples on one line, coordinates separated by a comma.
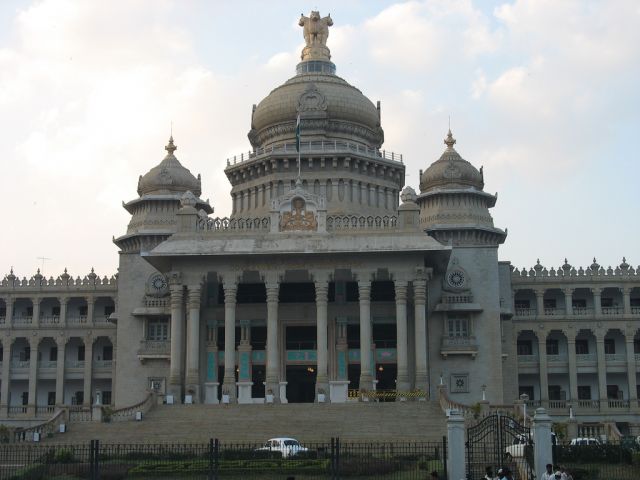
[(211, 383), (63, 310), (602, 371), (90, 307), (322, 350), (88, 369), (573, 370), (542, 447), (568, 300), (35, 320), (229, 380), (244, 363), (631, 369), (402, 382), (542, 361), (272, 379), (9, 315), (177, 334), (420, 300), (192, 379), (61, 343), (339, 388), (597, 304), (456, 446), (366, 379), (626, 300), (34, 343), (6, 372), (539, 301)]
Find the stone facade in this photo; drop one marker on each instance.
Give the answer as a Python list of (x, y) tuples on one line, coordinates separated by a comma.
[(329, 280)]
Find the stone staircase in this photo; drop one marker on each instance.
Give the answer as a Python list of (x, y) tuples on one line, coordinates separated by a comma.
[(397, 421)]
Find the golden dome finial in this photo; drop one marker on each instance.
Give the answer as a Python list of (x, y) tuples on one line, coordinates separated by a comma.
[(170, 146)]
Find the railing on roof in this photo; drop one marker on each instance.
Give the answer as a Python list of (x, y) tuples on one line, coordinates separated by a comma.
[(316, 147), (231, 224), (361, 222)]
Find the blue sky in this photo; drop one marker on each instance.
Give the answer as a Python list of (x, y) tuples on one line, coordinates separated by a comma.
[(542, 93)]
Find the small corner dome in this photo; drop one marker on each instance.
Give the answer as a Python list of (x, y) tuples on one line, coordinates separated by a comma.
[(169, 176), (451, 171)]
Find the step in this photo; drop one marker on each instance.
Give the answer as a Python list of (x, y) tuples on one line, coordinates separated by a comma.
[(411, 421)]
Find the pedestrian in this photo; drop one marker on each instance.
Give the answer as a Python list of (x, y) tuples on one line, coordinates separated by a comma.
[(500, 474), (563, 473), (568, 475), (434, 476), (558, 475), (489, 474), (548, 474)]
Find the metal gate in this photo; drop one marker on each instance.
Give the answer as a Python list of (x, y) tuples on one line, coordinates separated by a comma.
[(499, 441)]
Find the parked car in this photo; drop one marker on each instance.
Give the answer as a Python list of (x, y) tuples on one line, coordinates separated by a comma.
[(585, 441), (517, 449), (288, 447)]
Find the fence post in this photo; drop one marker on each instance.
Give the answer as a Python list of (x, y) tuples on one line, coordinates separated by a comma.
[(337, 458), (542, 452), (210, 472), (92, 461), (216, 449), (444, 455), (456, 449), (333, 459), (97, 446)]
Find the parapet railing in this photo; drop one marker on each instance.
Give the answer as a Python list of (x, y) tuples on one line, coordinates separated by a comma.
[(129, 413), (222, 224), (567, 270), (51, 426), (316, 147), (361, 222)]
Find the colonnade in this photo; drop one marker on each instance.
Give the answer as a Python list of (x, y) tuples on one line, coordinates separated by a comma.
[(417, 284)]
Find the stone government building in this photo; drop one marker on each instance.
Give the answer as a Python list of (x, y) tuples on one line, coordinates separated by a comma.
[(329, 277)]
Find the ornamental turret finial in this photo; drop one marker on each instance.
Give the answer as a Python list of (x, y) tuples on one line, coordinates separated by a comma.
[(449, 141), (170, 146)]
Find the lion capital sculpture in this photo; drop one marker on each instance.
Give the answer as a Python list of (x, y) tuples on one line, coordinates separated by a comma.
[(316, 29)]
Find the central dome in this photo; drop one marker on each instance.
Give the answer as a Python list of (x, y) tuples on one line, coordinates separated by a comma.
[(329, 107)]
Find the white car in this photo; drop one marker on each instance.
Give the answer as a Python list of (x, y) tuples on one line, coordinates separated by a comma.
[(585, 441), (517, 449), (288, 447)]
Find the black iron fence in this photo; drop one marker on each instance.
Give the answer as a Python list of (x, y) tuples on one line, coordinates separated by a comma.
[(218, 460)]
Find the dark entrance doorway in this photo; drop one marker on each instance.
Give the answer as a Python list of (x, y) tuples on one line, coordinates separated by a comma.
[(301, 383), (386, 374), (258, 378)]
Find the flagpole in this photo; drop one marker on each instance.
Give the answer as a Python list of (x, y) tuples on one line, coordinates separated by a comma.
[(298, 143)]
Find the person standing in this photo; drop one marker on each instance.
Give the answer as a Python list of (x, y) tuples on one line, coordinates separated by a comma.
[(548, 474)]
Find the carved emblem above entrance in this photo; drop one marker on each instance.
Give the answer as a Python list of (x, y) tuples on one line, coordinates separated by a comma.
[(299, 211)]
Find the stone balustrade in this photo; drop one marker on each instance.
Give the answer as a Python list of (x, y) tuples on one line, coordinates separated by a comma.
[(361, 222)]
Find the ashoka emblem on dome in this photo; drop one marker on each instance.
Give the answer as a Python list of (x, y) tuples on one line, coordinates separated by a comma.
[(312, 99)]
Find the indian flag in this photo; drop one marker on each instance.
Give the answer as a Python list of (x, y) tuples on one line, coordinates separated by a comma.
[(298, 134)]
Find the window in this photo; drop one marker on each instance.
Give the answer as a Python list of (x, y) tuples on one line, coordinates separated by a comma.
[(29, 311), (25, 354), (3, 311), (522, 304), (25, 398), (55, 311), (606, 302), (635, 302), (609, 346), (614, 393), (582, 347), (353, 336), (53, 355), (550, 303), (107, 352), (579, 303), (552, 347), (157, 330), (83, 310), (555, 392), (458, 326), (584, 392), (106, 397), (51, 398), (636, 345), (525, 347), (78, 398), (81, 353), (109, 309)]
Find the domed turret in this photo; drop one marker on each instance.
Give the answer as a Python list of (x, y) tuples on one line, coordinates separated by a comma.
[(453, 206), (451, 171), (169, 176), (153, 214)]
